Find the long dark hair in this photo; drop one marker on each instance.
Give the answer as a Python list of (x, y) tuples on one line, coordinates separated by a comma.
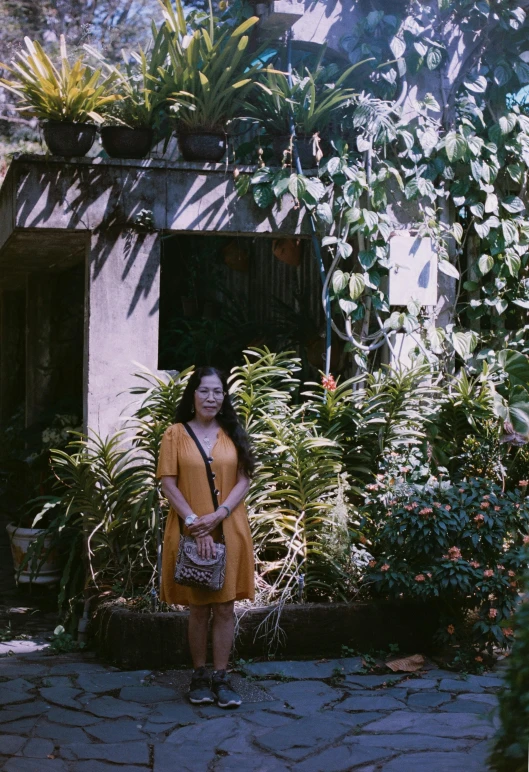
[(226, 417)]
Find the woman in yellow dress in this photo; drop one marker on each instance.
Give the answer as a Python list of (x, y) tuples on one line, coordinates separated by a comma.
[(206, 407)]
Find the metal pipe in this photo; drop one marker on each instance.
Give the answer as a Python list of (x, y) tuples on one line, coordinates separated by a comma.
[(314, 236)]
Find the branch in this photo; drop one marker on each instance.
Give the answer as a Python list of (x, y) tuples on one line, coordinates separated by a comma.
[(12, 119)]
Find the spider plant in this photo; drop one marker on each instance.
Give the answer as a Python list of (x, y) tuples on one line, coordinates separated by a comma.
[(73, 93), (209, 70), (140, 90)]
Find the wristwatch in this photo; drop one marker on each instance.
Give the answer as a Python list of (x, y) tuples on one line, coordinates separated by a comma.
[(190, 519)]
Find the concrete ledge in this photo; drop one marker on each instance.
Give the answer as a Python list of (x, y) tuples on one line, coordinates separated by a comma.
[(159, 641)]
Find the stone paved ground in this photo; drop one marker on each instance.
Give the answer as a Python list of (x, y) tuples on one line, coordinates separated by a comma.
[(70, 713)]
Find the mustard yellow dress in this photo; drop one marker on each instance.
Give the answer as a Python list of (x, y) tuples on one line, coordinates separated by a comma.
[(180, 457)]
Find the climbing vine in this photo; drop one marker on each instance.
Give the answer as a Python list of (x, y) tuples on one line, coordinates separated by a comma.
[(443, 127)]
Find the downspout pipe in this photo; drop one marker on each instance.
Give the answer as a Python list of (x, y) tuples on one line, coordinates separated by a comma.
[(314, 235)]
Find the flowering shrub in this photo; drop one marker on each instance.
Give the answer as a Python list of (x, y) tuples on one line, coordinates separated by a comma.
[(512, 739), (460, 543)]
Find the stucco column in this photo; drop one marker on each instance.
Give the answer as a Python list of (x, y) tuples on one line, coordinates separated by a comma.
[(12, 352), (121, 322), (39, 371)]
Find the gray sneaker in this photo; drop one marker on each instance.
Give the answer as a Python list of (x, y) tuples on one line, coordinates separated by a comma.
[(199, 691), (226, 696)]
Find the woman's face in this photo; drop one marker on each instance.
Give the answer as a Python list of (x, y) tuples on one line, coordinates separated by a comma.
[(209, 396)]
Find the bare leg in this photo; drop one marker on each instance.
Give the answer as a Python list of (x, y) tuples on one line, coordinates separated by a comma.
[(198, 633), (223, 628)]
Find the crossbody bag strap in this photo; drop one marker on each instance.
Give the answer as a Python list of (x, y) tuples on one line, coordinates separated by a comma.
[(207, 462)]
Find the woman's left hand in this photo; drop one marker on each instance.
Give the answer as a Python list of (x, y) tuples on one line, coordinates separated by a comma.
[(206, 524)]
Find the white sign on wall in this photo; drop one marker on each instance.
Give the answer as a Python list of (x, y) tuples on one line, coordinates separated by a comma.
[(413, 271)]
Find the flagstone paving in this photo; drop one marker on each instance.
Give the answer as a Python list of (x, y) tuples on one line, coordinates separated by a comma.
[(71, 713)]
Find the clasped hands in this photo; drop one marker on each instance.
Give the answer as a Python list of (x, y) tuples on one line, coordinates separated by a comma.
[(201, 530)]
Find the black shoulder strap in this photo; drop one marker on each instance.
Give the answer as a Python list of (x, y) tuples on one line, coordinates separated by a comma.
[(207, 462)]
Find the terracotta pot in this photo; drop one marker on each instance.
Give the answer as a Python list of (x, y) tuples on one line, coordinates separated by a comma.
[(202, 146), (124, 142), (20, 539), (288, 251), (69, 139), (305, 150)]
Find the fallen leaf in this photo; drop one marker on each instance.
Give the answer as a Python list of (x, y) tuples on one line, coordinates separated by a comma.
[(407, 664)]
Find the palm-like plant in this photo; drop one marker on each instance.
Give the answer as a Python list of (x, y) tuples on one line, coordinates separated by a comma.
[(141, 91), (70, 92), (291, 504), (209, 72), (312, 101)]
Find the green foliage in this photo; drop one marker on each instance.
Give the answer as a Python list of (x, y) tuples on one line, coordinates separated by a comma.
[(512, 739), (139, 88), (312, 101), (209, 71), (70, 92), (459, 544)]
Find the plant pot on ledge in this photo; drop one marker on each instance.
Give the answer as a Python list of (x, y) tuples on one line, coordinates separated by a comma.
[(202, 146), (69, 139), (305, 150), (20, 538), (126, 142)]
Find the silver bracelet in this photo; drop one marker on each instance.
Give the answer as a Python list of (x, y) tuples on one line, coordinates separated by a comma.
[(228, 510)]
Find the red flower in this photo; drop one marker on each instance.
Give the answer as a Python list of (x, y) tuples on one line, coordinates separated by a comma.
[(454, 553), (450, 629), (488, 573), (420, 578), (328, 382), (385, 567)]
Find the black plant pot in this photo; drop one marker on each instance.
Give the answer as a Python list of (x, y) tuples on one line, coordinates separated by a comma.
[(124, 142), (69, 139), (304, 144), (202, 147)]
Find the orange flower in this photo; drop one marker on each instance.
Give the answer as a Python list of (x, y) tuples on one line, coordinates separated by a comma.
[(448, 507), (488, 573), (414, 504), (500, 567), (454, 553), (493, 613), (485, 504), (478, 659), (437, 504), (362, 539), (408, 507), (474, 564), (328, 382), (511, 573), (385, 567), (426, 511), (523, 483), (508, 631), (420, 578), (450, 629), (479, 519), (372, 563)]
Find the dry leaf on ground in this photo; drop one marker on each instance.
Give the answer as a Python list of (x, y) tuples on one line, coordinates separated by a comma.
[(407, 664)]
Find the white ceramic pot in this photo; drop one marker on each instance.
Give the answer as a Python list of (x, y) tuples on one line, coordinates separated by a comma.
[(20, 539)]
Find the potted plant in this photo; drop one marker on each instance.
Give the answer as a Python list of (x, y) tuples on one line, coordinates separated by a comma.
[(33, 547), (309, 104), (209, 75), (128, 122), (65, 98)]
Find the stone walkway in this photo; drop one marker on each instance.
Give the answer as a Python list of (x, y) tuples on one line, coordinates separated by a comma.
[(70, 713)]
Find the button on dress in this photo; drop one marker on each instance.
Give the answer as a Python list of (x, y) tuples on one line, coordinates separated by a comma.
[(180, 457)]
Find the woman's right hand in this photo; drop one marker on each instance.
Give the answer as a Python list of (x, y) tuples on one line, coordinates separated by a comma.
[(206, 547)]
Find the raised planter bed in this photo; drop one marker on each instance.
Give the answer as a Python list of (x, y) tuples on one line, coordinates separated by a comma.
[(135, 640)]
